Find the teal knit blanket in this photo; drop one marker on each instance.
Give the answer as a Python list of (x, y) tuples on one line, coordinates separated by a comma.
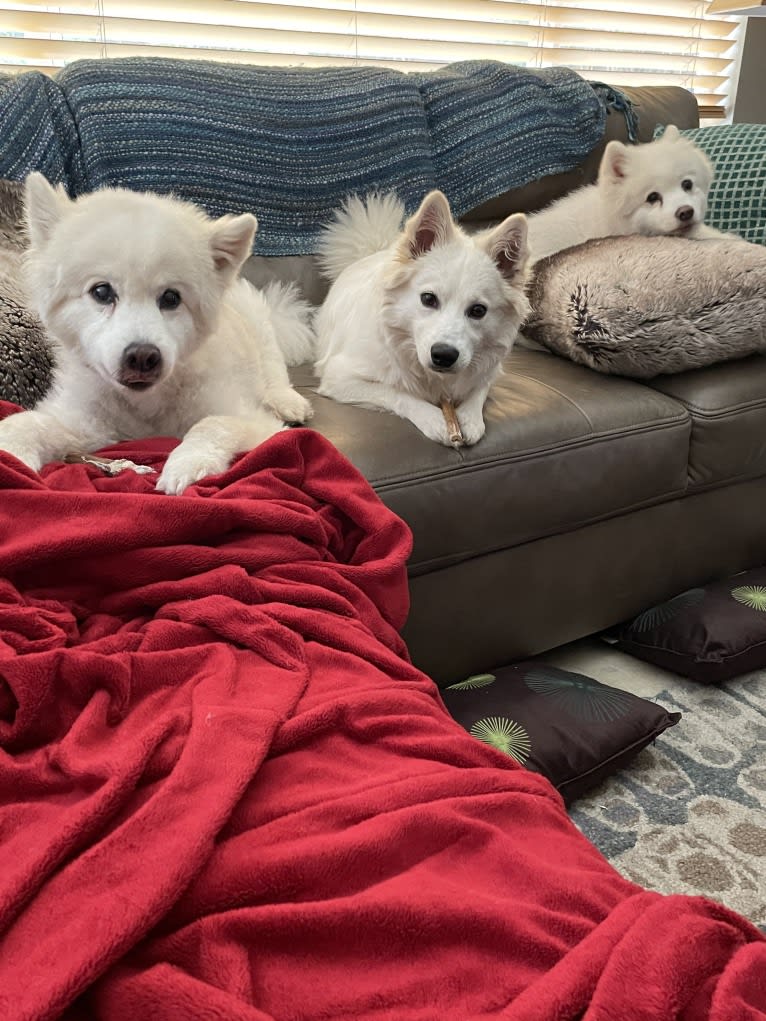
[(289, 144)]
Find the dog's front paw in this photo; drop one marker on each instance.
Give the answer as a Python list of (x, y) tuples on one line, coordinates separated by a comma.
[(184, 467), (471, 426), (289, 405), (430, 420)]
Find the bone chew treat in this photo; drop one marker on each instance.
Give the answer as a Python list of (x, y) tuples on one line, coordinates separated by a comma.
[(109, 465), (448, 410), (101, 462)]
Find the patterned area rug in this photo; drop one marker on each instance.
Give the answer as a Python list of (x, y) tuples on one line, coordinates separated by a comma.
[(688, 815)]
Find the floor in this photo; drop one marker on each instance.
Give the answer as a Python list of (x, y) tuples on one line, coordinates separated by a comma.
[(688, 815), (596, 658)]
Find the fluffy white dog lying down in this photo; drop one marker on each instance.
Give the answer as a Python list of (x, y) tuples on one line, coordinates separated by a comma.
[(657, 188), (418, 314), (153, 332)]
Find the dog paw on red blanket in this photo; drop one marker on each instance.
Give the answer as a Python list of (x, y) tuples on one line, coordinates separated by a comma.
[(225, 793)]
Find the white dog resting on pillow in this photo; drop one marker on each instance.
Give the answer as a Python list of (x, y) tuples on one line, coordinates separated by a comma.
[(420, 313), (660, 187), (153, 333)]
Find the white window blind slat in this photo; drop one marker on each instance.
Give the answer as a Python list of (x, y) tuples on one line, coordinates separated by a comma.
[(623, 42), (430, 17)]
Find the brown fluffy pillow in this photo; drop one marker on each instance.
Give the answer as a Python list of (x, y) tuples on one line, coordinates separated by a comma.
[(645, 306)]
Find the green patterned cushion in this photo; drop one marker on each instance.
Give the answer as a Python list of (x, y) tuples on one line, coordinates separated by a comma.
[(737, 200)]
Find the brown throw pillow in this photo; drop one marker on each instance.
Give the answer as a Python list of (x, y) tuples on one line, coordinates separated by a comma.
[(644, 306), (709, 634), (569, 727)]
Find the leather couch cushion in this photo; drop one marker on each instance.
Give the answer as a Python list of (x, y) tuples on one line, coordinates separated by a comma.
[(727, 405), (564, 447)]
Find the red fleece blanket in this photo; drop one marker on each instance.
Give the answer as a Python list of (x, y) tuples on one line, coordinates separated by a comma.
[(225, 794)]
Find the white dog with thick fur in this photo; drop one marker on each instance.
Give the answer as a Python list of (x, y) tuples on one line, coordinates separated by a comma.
[(657, 188), (153, 333), (418, 314)]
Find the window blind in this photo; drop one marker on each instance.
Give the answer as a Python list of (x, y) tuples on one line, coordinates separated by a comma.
[(651, 42)]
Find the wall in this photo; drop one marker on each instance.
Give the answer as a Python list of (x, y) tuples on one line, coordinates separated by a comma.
[(750, 101)]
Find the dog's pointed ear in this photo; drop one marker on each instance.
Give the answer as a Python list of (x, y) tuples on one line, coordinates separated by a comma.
[(706, 171), (231, 241), (427, 228), (507, 246), (614, 162), (671, 134), (44, 206)]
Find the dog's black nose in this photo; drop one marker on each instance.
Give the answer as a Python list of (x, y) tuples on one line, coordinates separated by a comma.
[(444, 356), (140, 366), (684, 214), (143, 359)]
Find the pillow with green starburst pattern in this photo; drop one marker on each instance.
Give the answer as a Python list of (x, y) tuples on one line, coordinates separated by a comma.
[(710, 633), (569, 727)]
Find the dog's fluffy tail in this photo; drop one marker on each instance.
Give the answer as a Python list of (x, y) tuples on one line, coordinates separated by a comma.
[(291, 316), (362, 226)]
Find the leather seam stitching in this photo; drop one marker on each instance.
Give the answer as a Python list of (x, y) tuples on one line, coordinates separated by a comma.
[(532, 453)]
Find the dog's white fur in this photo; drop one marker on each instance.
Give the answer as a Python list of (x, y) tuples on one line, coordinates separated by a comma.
[(375, 332), (222, 385), (674, 172)]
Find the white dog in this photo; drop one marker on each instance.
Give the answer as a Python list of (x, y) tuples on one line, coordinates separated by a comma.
[(418, 314), (153, 333), (657, 188)]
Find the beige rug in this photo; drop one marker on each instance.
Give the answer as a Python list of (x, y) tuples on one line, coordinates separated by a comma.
[(689, 814)]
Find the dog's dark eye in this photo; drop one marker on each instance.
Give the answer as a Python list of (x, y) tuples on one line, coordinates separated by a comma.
[(104, 294), (477, 311), (653, 198), (687, 185), (429, 299), (169, 299)]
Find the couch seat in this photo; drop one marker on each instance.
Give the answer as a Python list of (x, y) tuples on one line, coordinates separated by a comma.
[(727, 407), (564, 447)]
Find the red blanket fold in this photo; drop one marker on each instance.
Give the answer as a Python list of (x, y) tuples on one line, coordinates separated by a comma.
[(226, 794)]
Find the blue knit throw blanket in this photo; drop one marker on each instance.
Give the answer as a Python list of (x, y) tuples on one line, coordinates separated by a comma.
[(289, 144)]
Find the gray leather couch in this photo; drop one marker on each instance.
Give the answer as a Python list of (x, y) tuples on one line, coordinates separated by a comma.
[(590, 497)]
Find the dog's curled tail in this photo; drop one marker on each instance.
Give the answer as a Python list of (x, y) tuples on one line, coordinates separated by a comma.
[(362, 226), (291, 317)]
